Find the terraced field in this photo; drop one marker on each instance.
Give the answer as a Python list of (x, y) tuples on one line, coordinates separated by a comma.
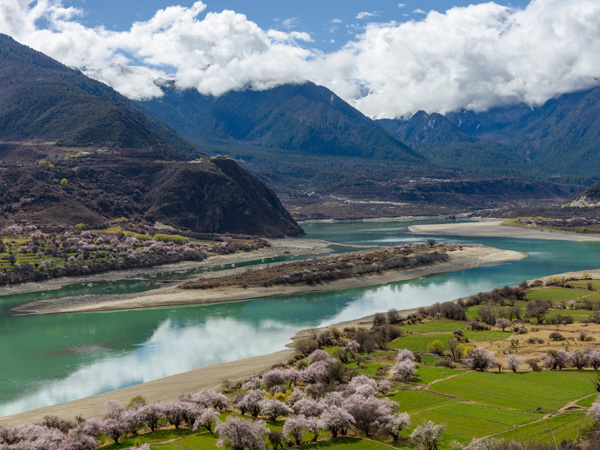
[(530, 391)]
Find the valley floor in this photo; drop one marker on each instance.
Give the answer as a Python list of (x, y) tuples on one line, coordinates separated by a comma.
[(468, 258)]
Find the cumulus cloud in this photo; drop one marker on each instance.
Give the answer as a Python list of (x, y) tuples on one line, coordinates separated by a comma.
[(473, 57)]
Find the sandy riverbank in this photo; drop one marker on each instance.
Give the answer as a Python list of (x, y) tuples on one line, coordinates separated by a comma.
[(161, 390), (468, 258), (495, 229), (279, 247)]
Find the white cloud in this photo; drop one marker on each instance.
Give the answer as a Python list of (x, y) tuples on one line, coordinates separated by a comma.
[(335, 20), (366, 15), (419, 11), (474, 57), (401, 5)]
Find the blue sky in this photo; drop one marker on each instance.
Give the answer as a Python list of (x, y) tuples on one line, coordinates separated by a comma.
[(325, 20), (386, 58)]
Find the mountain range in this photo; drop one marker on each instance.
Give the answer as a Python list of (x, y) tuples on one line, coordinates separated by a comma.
[(73, 150)]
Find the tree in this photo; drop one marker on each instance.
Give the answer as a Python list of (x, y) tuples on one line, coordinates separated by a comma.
[(294, 427), (513, 362), (274, 408), (456, 349), (336, 420), (556, 359), (239, 434), (479, 359), (64, 182), (250, 401), (151, 414), (594, 359), (405, 354), (594, 411), (394, 424), (436, 347), (428, 434), (404, 370), (207, 419), (367, 411), (537, 310), (579, 359), (503, 323)]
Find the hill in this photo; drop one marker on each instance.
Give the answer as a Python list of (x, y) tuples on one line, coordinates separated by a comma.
[(300, 119), (73, 150)]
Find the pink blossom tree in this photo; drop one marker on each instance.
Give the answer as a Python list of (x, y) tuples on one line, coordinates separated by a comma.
[(479, 359), (404, 370), (207, 419), (393, 424), (337, 420), (274, 408), (239, 434), (513, 362), (428, 434)]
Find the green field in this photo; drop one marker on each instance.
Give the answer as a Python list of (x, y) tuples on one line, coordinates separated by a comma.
[(563, 426), (528, 391), (465, 421), (419, 342), (432, 326), (412, 401), (584, 283), (427, 374), (555, 294), (490, 335)]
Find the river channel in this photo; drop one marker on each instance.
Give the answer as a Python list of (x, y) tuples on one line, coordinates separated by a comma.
[(51, 359)]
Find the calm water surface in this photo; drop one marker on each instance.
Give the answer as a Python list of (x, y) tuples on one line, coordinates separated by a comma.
[(46, 360)]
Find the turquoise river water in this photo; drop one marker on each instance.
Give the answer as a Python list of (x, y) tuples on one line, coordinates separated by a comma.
[(51, 359)]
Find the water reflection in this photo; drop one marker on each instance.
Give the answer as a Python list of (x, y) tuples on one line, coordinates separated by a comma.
[(51, 359)]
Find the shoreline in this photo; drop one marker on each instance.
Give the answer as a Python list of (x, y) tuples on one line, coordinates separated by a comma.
[(495, 228), (469, 257), (279, 247), (210, 377)]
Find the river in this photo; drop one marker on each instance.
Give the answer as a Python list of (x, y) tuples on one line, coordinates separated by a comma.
[(51, 359)]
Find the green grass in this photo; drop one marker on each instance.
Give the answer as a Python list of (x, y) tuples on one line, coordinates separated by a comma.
[(555, 294), (344, 443), (428, 374), (204, 442), (465, 421), (167, 447), (586, 402), (489, 335), (524, 391), (563, 426), (149, 438), (584, 283), (432, 326), (412, 401), (431, 360), (419, 342)]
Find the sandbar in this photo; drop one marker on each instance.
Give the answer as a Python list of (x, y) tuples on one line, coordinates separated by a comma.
[(468, 257), (496, 229)]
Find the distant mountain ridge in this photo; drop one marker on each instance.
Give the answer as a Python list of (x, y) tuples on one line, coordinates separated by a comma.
[(299, 118), (560, 137)]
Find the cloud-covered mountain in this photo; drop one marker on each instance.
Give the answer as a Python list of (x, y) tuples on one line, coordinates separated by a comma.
[(475, 58), (49, 112), (559, 138)]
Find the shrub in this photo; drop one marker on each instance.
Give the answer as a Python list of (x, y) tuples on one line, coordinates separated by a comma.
[(556, 336), (436, 347), (177, 239)]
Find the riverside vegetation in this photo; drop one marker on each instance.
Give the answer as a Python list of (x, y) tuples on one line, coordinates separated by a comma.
[(514, 368), (29, 253), (334, 267)]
